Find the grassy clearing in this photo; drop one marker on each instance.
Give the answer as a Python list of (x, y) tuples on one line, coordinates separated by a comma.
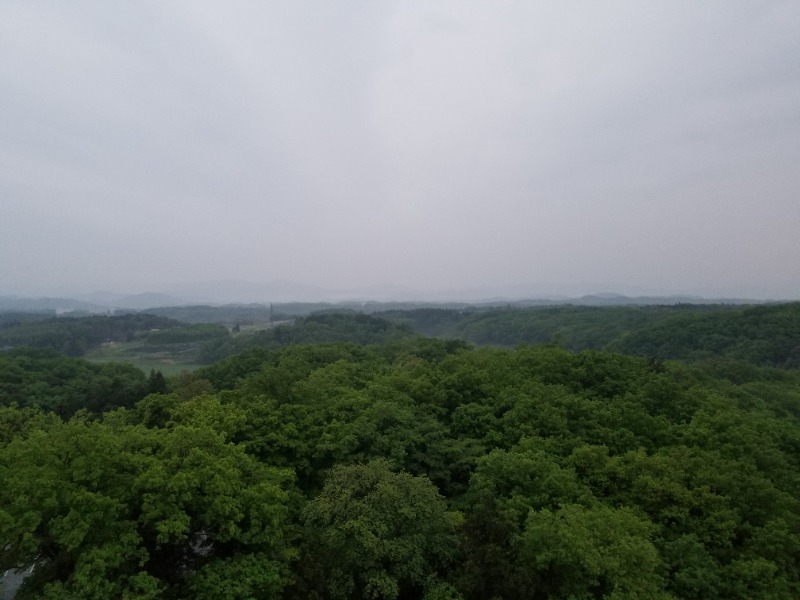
[(170, 359)]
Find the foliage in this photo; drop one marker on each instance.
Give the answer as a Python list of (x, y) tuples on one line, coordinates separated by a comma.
[(319, 328), (373, 533), (761, 335), (44, 379), (596, 552), (108, 509), (75, 335), (397, 466), (767, 335)]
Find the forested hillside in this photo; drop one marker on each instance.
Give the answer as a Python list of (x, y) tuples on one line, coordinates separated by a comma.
[(318, 328), (767, 335), (159, 342), (406, 467), (75, 335), (763, 335), (387, 465), (47, 380)]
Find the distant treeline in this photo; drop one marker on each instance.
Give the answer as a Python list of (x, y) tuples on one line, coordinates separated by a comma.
[(73, 336), (14, 318), (321, 328), (248, 314), (763, 334), (767, 335)]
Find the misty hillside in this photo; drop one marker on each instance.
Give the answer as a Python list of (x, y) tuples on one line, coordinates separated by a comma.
[(766, 335)]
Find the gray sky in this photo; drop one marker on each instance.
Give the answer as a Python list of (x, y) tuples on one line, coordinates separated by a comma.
[(639, 147)]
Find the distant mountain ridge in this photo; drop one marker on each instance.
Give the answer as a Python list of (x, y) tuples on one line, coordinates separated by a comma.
[(131, 301), (622, 300), (234, 291), (47, 304), (239, 293)]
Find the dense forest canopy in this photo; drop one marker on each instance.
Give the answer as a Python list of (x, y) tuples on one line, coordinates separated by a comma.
[(349, 457), (319, 328), (768, 335), (75, 335), (54, 382), (764, 334)]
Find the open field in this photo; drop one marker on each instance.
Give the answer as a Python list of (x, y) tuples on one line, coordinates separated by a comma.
[(170, 359)]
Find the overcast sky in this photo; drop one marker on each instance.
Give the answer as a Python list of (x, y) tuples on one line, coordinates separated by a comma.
[(638, 147)]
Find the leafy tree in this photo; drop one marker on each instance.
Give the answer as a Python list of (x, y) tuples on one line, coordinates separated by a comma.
[(590, 552), (112, 510), (156, 383), (374, 533)]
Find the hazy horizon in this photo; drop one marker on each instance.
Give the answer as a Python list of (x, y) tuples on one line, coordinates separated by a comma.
[(243, 292), (401, 147)]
